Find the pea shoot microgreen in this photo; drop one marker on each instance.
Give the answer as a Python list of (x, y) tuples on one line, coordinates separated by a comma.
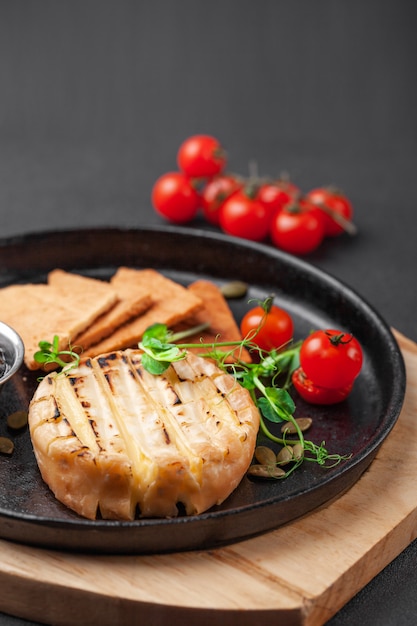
[(267, 378), (49, 353)]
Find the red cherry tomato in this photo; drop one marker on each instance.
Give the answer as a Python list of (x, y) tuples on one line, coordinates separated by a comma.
[(331, 358), (275, 195), (174, 198), (201, 156), (298, 228), (318, 395), (215, 194), (276, 327), (332, 201), (243, 216)]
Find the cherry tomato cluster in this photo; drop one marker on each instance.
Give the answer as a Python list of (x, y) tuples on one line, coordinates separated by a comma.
[(330, 361), (251, 207)]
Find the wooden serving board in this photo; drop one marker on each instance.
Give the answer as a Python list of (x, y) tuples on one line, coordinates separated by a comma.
[(300, 574)]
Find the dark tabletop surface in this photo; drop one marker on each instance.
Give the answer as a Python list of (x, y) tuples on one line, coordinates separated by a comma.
[(96, 97)]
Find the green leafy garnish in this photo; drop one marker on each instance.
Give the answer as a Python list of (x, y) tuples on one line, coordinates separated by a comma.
[(49, 353)]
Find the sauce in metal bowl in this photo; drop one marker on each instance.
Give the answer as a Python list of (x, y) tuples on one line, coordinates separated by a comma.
[(3, 364)]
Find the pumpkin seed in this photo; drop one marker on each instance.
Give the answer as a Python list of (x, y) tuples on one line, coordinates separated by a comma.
[(304, 424), (234, 289), (6, 446), (265, 455), (285, 455), (298, 451), (266, 471), (17, 420)]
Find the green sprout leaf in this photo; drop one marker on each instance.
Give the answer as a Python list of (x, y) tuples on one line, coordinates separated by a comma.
[(49, 353), (153, 366), (155, 345), (276, 404)]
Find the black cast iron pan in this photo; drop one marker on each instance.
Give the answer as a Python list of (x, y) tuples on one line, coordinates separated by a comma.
[(28, 511)]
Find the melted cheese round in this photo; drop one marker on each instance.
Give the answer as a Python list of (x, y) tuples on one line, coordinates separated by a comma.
[(114, 441)]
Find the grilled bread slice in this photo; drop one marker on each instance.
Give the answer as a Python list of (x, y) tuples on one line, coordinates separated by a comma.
[(39, 311), (114, 441), (171, 303), (131, 304)]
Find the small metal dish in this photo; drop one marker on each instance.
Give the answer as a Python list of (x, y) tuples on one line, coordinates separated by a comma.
[(11, 353)]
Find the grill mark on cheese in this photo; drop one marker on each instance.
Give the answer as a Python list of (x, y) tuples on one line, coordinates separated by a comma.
[(174, 439), (163, 392), (57, 413), (196, 389), (97, 411), (70, 406), (167, 437)]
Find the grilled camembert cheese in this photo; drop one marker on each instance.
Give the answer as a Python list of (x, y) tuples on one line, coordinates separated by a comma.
[(116, 442)]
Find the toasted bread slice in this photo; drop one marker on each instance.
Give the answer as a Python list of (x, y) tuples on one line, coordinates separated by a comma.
[(172, 303), (131, 303), (216, 312), (39, 312)]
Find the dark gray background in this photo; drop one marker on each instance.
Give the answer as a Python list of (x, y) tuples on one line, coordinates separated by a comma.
[(97, 96)]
